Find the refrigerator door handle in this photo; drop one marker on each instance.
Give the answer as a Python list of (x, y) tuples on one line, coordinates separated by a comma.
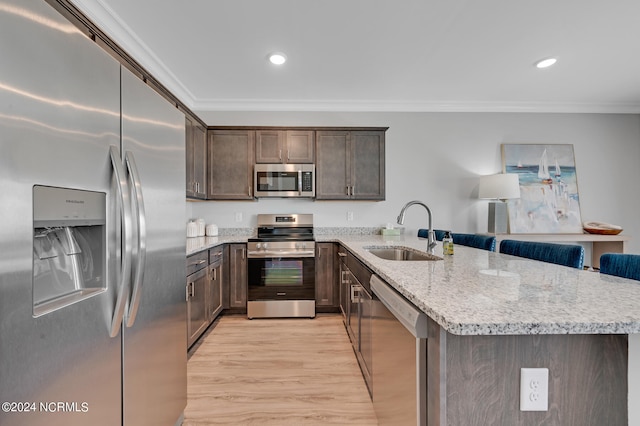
[(126, 222), (140, 216)]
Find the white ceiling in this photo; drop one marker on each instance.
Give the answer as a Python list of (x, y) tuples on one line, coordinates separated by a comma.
[(385, 55)]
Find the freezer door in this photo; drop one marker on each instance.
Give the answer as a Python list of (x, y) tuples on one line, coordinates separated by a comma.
[(155, 330), (59, 113)]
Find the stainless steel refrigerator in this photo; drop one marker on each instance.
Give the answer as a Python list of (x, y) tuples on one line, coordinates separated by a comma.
[(92, 247)]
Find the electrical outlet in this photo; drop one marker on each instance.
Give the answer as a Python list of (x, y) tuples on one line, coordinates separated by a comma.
[(534, 389), (238, 216), (349, 216)]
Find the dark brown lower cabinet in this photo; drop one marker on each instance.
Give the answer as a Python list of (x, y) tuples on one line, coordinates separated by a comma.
[(327, 290), (238, 276), (475, 380)]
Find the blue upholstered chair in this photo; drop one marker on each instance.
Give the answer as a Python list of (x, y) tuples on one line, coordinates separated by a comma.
[(621, 265), (424, 233), (473, 240), (560, 254), (470, 240)]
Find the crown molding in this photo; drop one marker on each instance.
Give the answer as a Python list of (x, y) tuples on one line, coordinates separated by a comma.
[(110, 23), (409, 106)]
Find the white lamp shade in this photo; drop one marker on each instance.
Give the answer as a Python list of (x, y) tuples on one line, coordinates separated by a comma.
[(499, 187)]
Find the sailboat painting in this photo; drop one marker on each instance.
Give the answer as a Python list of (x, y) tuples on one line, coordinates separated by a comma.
[(549, 201)]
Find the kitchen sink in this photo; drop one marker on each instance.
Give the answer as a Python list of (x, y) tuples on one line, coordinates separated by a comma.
[(400, 253)]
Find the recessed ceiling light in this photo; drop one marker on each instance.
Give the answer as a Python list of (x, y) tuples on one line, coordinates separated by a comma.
[(545, 63), (277, 58)]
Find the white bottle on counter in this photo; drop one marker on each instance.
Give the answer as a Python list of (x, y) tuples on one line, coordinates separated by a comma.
[(201, 227), (212, 230), (192, 229)]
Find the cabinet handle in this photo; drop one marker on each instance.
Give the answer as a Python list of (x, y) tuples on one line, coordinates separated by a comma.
[(280, 155), (190, 290), (186, 292), (288, 156), (353, 190), (355, 293), (347, 190), (342, 254)]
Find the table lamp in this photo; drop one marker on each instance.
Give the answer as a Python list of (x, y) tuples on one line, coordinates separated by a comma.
[(500, 188)]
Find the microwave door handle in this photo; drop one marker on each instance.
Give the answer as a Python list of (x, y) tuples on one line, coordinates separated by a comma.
[(126, 222), (299, 181), (140, 216)]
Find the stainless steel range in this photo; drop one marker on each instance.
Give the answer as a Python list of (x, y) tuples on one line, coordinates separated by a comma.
[(281, 267)]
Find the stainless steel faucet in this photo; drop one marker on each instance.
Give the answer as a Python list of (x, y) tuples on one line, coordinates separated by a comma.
[(431, 236)]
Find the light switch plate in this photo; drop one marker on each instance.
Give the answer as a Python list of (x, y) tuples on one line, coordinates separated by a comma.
[(534, 389)]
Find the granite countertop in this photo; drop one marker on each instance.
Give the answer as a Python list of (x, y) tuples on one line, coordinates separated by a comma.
[(476, 292), (198, 244)]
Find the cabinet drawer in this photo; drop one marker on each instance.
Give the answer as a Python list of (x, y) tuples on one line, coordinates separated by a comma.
[(361, 272), (197, 261), (215, 255)]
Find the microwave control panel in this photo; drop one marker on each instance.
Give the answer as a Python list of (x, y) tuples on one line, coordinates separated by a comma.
[(307, 184)]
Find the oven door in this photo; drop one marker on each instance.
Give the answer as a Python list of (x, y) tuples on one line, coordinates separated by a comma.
[(281, 278)]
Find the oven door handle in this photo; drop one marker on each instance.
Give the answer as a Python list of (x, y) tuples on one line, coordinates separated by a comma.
[(274, 253)]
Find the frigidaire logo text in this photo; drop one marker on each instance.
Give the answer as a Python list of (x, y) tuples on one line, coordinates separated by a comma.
[(75, 201)]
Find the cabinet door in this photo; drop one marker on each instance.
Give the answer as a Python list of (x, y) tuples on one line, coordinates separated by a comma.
[(214, 303), (368, 165), (238, 276), (353, 322), (343, 283), (366, 350), (199, 135), (189, 154), (231, 159), (333, 165), (326, 282), (300, 146), (197, 319), (270, 146)]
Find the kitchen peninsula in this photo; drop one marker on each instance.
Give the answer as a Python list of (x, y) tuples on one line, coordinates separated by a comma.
[(491, 315)]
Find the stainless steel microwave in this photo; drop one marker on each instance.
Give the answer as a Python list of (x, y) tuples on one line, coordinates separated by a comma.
[(284, 180)]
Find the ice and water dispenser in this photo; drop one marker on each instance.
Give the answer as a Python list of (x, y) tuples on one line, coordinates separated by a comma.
[(69, 243)]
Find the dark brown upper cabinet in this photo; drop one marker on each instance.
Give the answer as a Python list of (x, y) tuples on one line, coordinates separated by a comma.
[(350, 165), (196, 155), (285, 146), (231, 159)]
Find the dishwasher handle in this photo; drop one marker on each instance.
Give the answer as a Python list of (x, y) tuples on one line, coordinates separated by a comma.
[(413, 319)]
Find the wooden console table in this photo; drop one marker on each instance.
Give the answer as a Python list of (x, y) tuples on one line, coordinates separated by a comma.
[(599, 243)]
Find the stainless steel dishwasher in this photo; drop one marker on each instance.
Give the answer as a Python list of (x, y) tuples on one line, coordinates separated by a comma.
[(399, 358)]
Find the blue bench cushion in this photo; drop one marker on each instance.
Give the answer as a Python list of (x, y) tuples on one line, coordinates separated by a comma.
[(471, 240), (560, 254), (424, 233), (621, 265)]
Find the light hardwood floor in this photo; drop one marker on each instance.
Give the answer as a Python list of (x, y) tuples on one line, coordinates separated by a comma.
[(276, 372)]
